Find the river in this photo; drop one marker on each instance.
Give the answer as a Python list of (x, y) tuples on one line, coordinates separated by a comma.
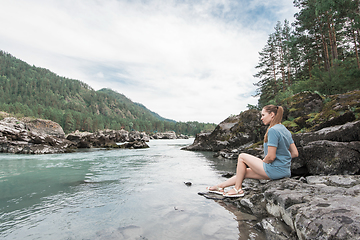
[(118, 194)]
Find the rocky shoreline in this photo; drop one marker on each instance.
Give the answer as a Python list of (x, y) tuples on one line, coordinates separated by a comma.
[(314, 207), (321, 199), (39, 136)]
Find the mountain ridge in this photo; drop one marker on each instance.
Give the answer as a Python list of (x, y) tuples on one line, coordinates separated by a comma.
[(37, 92)]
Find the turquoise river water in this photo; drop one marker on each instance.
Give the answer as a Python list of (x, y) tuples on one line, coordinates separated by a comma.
[(118, 194)]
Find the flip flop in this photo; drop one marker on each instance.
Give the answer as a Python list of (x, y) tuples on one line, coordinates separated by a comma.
[(217, 191), (235, 195)]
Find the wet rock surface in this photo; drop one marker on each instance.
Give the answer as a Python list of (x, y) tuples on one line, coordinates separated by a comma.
[(315, 207)]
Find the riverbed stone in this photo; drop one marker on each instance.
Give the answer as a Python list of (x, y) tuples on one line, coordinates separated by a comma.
[(318, 207)]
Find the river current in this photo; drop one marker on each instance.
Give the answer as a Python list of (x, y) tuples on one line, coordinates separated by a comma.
[(118, 194)]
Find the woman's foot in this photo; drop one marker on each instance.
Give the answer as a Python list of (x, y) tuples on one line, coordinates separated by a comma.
[(216, 189), (235, 193)]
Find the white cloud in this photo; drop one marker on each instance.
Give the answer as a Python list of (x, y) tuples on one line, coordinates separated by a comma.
[(186, 60)]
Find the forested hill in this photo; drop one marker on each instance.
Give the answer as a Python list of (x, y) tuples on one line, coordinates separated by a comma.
[(37, 92), (123, 99)]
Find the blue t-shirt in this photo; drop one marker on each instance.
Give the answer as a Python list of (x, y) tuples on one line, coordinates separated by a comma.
[(279, 137)]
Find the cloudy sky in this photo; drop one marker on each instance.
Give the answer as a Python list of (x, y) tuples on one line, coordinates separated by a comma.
[(187, 60)]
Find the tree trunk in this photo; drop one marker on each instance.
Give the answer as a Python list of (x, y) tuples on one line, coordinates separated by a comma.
[(332, 39), (282, 66), (317, 50), (356, 50), (275, 82), (326, 53), (289, 75)]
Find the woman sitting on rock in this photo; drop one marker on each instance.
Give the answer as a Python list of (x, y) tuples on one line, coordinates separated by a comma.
[(279, 149)]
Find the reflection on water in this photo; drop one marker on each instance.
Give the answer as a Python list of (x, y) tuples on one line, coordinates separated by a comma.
[(117, 194)]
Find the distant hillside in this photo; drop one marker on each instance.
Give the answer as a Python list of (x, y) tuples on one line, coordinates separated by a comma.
[(121, 98), (37, 92)]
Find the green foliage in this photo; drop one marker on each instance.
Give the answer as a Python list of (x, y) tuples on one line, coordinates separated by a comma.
[(36, 92), (250, 107), (345, 77), (320, 53)]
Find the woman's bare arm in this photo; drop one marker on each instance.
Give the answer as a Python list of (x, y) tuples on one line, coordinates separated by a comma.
[(271, 155), (293, 150)]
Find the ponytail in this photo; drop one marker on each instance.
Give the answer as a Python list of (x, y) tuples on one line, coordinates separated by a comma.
[(278, 111)]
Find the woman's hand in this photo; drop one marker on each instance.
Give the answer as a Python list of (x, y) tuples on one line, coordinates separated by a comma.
[(271, 155)]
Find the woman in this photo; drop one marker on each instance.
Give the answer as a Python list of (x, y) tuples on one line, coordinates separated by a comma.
[(279, 149)]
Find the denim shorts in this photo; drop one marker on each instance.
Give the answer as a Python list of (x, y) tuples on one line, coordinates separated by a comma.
[(275, 172)]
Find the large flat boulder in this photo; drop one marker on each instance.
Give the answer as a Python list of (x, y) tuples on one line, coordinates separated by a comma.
[(32, 137), (44, 127)]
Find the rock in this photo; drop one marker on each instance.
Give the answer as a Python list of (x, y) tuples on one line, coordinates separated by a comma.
[(339, 109), (275, 229), (339, 120), (342, 133), (168, 135), (188, 184), (108, 138), (232, 133), (328, 157), (334, 180), (200, 143), (212, 196), (182, 136), (315, 211), (44, 127), (134, 145), (28, 137), (302, 104), (138, 136), (332, 150), (326, 207)]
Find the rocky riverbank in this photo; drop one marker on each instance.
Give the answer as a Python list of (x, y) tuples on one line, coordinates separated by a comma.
[(32, 137), (38, 136), (320, 200), (314, 207)]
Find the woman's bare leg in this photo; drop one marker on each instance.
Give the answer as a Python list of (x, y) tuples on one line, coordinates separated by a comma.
[(255, 170), (230, 182)]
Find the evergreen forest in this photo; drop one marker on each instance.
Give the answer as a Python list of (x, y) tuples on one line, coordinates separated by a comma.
[(29, 91), (318, 52)]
